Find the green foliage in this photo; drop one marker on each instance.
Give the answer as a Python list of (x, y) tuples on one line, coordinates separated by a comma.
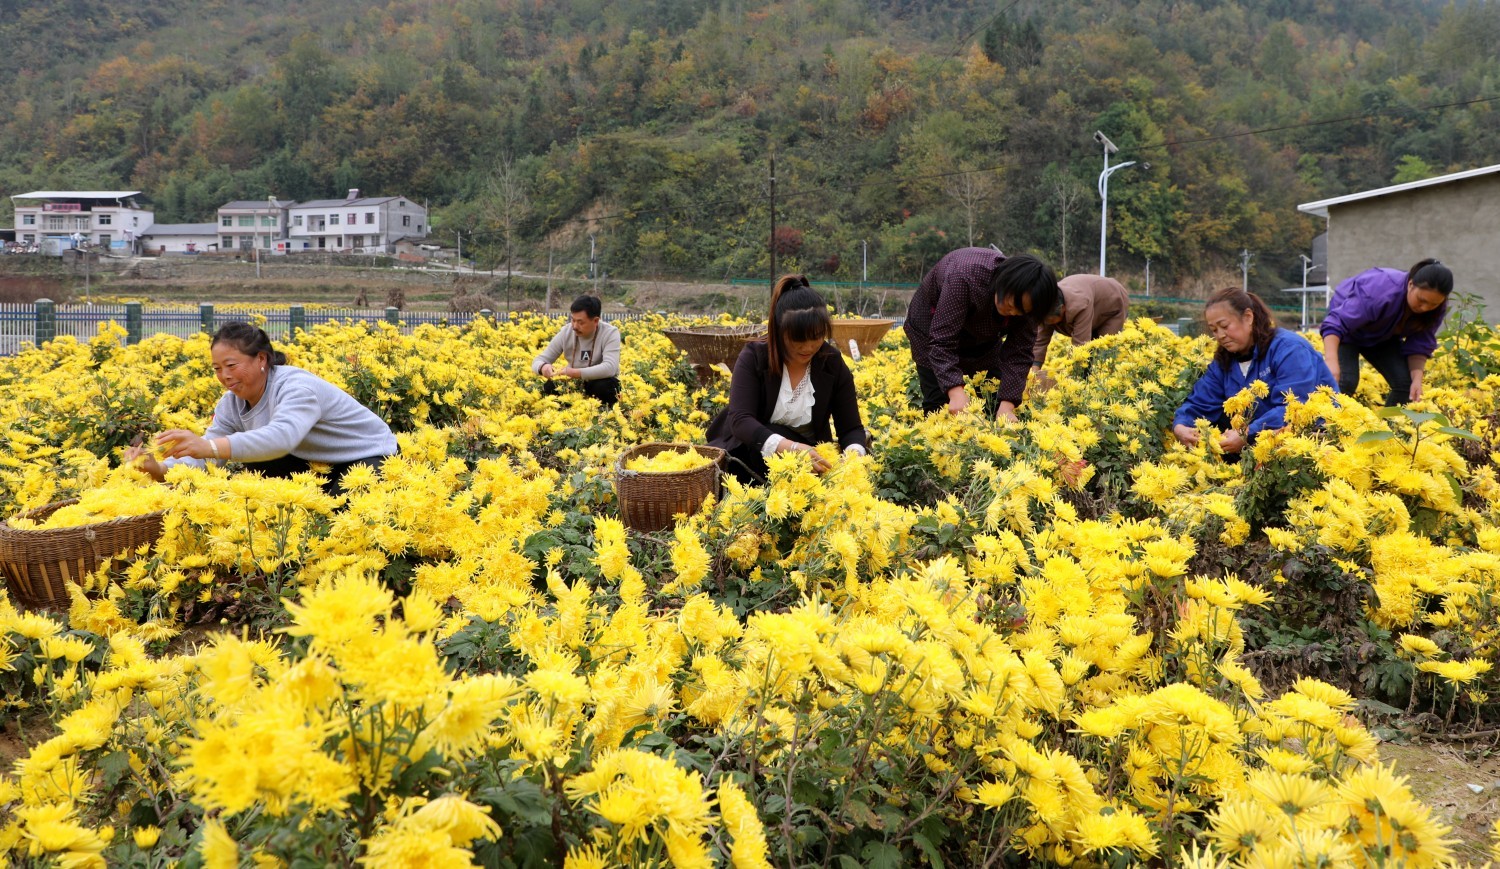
[(649, 124)]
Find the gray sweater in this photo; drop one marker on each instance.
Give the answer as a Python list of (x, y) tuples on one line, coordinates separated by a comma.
[(603, 350), (302, 415)]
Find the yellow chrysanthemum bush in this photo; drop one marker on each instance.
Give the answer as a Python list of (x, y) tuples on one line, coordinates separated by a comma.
[(1067, 640)]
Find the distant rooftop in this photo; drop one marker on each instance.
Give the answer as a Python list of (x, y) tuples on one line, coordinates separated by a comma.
[(1320, 208), (262, 204), (335, 203), (78, 194), (182, 229)]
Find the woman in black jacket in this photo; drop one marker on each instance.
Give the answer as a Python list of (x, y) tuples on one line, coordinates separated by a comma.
[(787, 389)]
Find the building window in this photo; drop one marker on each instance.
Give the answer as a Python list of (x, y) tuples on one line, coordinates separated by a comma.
[(29, 238), (227, 242), (369, 217), (106, 219), (104, 239), (226, 221), (28, 220), (333, 220), (406, 220), (268, 220), (247, 220), (265, 242), (353, 218), (419, 227), (297, 220)]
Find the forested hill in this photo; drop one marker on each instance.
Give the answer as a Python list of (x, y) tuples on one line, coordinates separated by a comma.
[(902, 127)]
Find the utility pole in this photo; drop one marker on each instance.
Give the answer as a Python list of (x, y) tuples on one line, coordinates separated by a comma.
[(1306, 267), (1148, 277), (1109, 148), (773, 220), (549, 277), (864, 275), (460, 235), (1245, 269)]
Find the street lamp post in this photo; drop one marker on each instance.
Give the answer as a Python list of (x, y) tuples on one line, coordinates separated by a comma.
[(1109, 148), (1306, 267)]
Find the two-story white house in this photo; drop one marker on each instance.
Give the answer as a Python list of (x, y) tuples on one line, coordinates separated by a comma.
[(245, 224), (356, 224), (108, 219)]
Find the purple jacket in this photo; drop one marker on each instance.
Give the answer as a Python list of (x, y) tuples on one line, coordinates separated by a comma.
[(1370, 308)]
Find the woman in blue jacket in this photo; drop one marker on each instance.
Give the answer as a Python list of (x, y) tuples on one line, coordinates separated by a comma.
[(1391, 318), (1251, 348)]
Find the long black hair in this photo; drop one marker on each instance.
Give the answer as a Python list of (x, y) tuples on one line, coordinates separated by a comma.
[(250, 340), (1427, 274), (797, 313), (1240, 301)]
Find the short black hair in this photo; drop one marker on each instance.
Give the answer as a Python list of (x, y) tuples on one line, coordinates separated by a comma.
[(1024, 277), (587, 304)]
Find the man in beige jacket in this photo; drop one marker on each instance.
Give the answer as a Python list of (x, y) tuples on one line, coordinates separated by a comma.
[(1091, 306)]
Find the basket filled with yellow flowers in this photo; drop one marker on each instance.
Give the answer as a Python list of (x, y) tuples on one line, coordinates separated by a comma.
[(657, 481), (44, 549)]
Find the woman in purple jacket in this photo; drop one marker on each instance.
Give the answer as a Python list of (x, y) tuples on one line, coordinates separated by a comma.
[(1390, 318)]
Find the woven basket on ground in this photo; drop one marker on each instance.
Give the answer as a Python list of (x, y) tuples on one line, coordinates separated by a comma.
[(38, 564), (715, 345), (866, 334), (650, 500)]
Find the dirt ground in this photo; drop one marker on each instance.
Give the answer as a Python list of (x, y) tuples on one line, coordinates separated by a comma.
[(1440, 775)]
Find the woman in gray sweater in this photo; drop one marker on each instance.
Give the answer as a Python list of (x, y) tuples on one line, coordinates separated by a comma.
[(274, 418)]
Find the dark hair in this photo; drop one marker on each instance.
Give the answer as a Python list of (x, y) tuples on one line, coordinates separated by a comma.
[(1428, 274), (797, 313), (588, 305), (250, 340), (1024, 277), (1239, 301)]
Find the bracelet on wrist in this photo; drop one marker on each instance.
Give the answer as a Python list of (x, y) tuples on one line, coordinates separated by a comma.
[(214, 447)]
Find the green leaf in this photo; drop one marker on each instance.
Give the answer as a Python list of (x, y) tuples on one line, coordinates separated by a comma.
[(1371, 437), (863, 816), (1390, 412), (879, 855), (934, 858), (1459, 433)]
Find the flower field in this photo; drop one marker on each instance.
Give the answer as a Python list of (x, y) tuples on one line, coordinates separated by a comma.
[(1070, 641)]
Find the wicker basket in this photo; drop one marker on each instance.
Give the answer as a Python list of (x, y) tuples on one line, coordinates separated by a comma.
[(651, 500), (707, 346), (865, 333), (38, 564)]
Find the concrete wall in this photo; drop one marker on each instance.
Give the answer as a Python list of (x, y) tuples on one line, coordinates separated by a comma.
[(1458, 222)]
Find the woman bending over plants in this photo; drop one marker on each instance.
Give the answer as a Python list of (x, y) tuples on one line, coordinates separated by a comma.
[(1391, 319), (274, 418), (1251, 348)]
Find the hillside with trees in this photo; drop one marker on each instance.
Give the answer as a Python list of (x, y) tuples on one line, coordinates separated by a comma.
[(901, 127)]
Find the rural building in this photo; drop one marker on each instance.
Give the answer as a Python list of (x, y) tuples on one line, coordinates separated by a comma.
[(1451, 217), (250, 223), (61, 219), (357, 224), (180, 238)]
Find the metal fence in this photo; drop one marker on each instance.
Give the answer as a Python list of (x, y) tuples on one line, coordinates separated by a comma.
[(22, 325)]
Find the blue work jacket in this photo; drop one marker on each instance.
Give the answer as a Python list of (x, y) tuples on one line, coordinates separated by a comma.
[(1290, 364)]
